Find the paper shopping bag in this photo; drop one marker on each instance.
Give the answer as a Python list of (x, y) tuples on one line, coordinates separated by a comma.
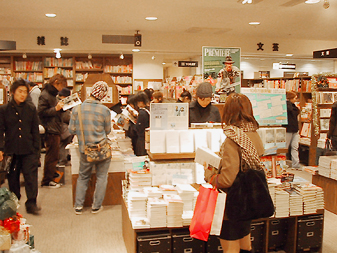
[(203, 213), (218, 214)]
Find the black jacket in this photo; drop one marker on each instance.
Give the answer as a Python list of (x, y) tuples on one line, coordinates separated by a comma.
[(199, 114), (293, 112), (143, 122), (333, 121), (21, 128), (50, 119)]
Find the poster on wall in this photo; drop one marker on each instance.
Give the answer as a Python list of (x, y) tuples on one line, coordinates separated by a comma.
[(169, 116), (269, 105), (221, 67)]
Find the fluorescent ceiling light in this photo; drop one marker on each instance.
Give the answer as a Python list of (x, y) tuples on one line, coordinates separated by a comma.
[(51, 15), (254, 23), (312, 1), (289, 55), (135, 50), (247, 1), (151, 18)]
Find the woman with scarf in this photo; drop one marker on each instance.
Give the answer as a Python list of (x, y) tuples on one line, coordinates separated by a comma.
[(242, 145)]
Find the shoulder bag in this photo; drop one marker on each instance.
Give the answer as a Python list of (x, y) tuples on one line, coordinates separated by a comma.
[(5, 164), (95, 152), (249, 198)]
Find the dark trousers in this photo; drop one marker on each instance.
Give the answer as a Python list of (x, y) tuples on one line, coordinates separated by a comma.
[(27, 164), (52, 142)]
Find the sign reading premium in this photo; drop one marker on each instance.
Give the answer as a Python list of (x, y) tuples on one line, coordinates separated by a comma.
[(221, 67), (327, 53), (187, 64)]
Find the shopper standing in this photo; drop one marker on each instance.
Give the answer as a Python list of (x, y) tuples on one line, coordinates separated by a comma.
[(201, 110), (96, 126), (143, 122), (332, 134), (19, 136), (34, 93), (185, 97), (50, 113), (240, 129), (292, 135)]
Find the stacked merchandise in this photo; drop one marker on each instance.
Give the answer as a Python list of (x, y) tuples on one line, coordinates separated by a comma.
[(186, 192), (137, 204), (295, 202), (168, 189), (271, 187), (333, 174), (125, 145), (175, 207), (153, 192), (324, 165), (281, 203), (139, 180), (319, 198), (156, 211), (308, 191)]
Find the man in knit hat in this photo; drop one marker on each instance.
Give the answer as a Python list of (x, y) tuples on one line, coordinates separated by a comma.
[(96, 126), (201, 110)]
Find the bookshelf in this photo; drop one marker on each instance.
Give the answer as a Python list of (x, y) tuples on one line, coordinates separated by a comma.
[(39, 68)]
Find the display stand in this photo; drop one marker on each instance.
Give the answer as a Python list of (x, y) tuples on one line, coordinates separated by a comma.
[(329, 186)]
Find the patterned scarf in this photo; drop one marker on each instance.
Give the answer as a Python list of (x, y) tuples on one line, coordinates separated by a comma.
[(248, 150)]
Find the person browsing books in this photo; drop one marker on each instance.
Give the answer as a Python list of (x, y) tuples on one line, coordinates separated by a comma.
[(240, 128), (143, 122)]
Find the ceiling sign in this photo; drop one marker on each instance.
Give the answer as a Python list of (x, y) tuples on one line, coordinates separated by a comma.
[(187, 64), (327, 53)]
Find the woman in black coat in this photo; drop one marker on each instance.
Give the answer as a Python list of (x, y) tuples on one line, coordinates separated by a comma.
[(143, 122)]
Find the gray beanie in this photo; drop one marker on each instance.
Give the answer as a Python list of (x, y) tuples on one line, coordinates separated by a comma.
[(204, 90)]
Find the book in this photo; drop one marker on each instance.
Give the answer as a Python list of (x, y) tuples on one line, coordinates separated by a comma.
[(204, 154), (71, 101)]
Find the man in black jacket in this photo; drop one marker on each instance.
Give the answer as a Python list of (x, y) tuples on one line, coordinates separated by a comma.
[(19, 136), (50, 113)]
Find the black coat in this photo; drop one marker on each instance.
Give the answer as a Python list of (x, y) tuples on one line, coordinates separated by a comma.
[(333, 121), (199, 114), (293, 112), (50, 119), (21, 128), (143, 122)]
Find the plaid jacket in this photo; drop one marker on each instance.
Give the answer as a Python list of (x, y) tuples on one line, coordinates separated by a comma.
[(96, 122)]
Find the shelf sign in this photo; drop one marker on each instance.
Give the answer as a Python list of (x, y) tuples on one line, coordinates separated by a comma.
[(327, 53), (187, 64), (284, 66)]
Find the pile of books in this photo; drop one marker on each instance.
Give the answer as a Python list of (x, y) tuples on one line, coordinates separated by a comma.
[(281, 203), (333, 174), (137, 204), (295, 202), (186, 192), (156, 212), (139, 180), (308, 191), (175, 207)]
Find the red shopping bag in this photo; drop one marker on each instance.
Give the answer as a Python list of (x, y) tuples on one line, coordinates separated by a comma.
[(203, 213)]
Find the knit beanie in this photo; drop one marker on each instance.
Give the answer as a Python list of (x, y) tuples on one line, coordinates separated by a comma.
[(99, 90), (204, 90)]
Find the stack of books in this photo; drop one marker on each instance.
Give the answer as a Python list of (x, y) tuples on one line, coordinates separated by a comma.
[(319, 198), (153, 192), (139, 180), (187, 218), (333, 174), (295, 202), (281, 203), (137, 204), (175, 207), (186, 192), (324, 165), (308, 191), (156, 212), (271, 187), (168, 189)]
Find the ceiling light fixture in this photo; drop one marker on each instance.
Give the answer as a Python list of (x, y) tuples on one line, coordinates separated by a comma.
[(254, 23), (247, 1), (50, 15), (164, 63), (151, 18), (121, 56), (89, 56), (289, 55), (24, 56), (326, 4), (153, 57), (135, 50), (312, 1)]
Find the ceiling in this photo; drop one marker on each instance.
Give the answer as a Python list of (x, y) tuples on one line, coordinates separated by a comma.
[(279, 18)]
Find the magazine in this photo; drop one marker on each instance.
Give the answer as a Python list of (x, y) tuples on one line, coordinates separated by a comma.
[(71, 101)]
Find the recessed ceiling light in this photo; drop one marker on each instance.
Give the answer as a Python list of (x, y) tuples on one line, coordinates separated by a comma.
[(135, 50), (289, 55), (151, 18), (164, 63), (51, 15), (312, 1), (254, 23)]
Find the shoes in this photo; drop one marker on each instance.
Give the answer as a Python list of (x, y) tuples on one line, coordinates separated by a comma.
[(33, 209), (78, 210), (52, 185), (96, 210)]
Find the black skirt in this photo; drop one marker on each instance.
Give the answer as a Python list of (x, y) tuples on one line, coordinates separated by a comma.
[(234, 230)]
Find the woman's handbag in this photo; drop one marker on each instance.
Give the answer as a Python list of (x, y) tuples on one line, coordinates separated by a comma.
[(5, 164), (249, 198), (202, 219), (95, 152)]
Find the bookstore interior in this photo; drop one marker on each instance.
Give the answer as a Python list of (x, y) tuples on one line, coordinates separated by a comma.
[(158, 193)]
